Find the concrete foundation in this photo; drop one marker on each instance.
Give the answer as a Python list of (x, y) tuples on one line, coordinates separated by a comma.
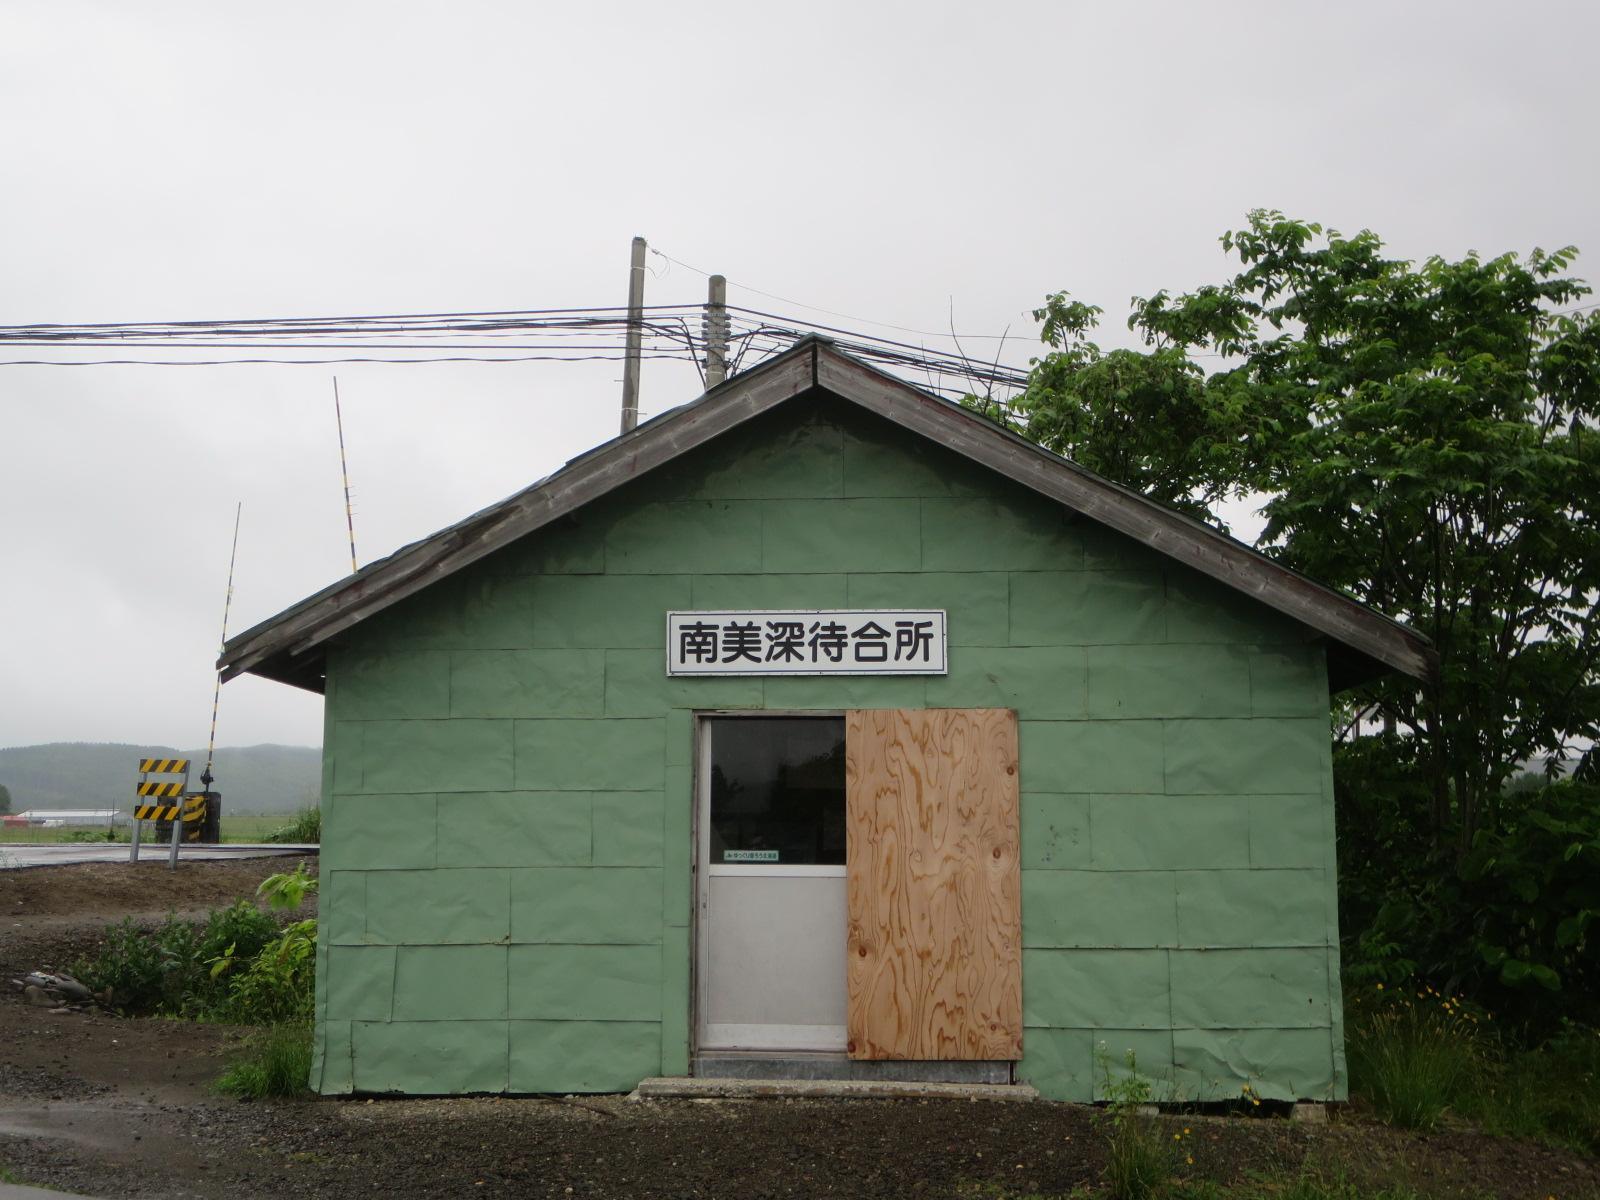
[(824, 1066), (682, 1088)]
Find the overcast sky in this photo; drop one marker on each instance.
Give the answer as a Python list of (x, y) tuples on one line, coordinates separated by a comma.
[(891, 161)]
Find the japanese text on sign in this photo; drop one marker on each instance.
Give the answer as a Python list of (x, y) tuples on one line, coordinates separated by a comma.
[(806, 642)]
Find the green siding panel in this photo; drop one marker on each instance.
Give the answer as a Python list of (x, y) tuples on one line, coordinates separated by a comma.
[(342, 908), (1010, 533), (333, 1062), (368, 833), (474, 610), (583, 1056), (782, 455), (587, 905), (1257, 988), (841, 535), (1279, 1064), (637, 685), (1055, 830), (1044, 682), (628, 829), (438, 907), (686, 536), (675, 984), (1087, 608), (434, 756), (387, 684), (1202, 609), (1253, 908), (1290, 831), (527, 683), (606, 611), (975, 602), (1288, 681), (601, 755), (1243, 757), (450, 983), (1112, 909), (677, 848), (595, 983), (1168, 680), (1164, 832), (711, 592), (1091, 756), (430, 1057), (360, 983), (574, 545), (879, 461), (835, 692), (1059, 1062), (343, 745), (514, 829), (1095, 989)]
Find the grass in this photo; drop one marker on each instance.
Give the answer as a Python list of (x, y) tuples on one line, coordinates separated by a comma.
[(272, 1064), (240, 827), (304, 826)]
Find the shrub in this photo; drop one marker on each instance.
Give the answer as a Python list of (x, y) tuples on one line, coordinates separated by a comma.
[(273, 1063), (172, 968), (279, 983)]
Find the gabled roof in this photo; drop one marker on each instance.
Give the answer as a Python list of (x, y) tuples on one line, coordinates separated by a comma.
[(290, 646)]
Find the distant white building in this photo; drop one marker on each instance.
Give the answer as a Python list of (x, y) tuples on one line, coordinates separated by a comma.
[(50, 818)]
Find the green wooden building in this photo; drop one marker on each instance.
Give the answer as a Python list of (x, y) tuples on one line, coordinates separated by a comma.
[(819, 725)]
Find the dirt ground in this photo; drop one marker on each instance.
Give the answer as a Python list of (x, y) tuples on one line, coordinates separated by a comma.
[(122, 1107)]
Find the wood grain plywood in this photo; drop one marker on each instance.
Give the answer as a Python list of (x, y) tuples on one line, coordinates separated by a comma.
[(935, 917)]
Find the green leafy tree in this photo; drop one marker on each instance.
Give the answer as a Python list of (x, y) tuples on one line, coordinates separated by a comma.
[(5, 799), (1422, 435)]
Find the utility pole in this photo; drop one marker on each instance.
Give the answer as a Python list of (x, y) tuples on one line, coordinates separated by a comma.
[(716, 331), (630, 364)]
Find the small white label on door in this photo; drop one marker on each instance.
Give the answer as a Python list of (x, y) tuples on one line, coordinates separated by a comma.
[(733, 856)]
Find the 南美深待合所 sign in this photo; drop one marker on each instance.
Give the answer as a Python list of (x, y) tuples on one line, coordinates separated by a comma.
[(807, 642)]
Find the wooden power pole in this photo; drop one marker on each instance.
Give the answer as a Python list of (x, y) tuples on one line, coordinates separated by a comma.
[(630, 364)]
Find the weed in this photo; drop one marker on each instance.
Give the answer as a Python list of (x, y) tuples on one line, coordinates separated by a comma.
[(1140, 1157), (274, 1063)]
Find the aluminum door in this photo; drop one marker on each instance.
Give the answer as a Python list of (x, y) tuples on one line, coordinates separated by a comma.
[(771, 880)]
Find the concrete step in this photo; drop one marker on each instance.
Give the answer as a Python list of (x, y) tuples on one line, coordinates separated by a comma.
[(694, 1088)]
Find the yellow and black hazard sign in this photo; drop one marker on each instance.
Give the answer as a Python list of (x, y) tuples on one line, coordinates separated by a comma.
[(156, 812), (164, 766), (161, 791), (194, 807)]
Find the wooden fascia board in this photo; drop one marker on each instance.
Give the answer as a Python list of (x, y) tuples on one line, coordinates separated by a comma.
[(1166, 532), (609, 467)]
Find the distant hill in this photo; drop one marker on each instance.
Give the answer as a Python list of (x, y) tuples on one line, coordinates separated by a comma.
[(263, 779)]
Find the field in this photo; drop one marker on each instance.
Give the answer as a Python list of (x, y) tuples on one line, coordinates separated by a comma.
[(245, 827), (127, 1106)]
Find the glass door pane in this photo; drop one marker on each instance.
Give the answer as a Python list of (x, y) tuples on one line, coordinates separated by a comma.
[(777, 791)]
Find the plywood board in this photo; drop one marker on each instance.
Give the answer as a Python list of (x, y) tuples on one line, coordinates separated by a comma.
[(935, 922)]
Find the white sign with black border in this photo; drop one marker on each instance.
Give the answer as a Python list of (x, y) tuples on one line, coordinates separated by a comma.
[(797, 641)]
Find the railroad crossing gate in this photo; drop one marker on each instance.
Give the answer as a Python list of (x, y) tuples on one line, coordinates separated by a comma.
[(164, 799)]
